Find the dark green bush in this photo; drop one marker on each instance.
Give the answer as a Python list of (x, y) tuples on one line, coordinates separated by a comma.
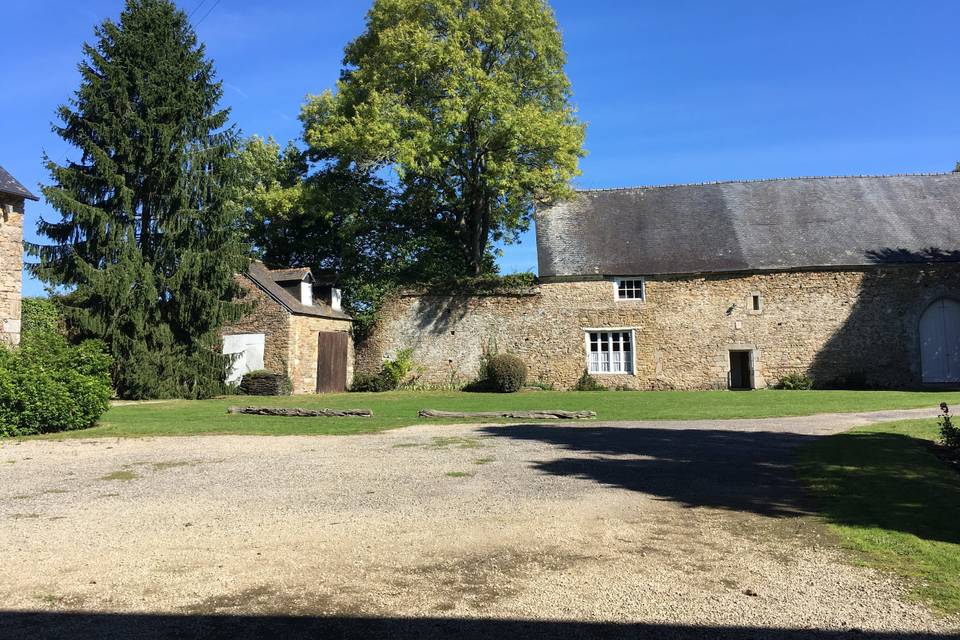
[(796, 381), (368, 382), (507, 373), (48, 385), (588, 383), (265, 383)]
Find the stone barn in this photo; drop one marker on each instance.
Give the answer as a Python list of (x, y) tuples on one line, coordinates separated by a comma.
[(12, 198), (296, 327), (852, 280)]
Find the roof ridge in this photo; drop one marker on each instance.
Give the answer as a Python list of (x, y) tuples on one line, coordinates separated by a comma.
[(761, 180)]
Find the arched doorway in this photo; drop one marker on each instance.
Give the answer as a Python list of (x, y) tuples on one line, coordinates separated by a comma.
[(940, 341)]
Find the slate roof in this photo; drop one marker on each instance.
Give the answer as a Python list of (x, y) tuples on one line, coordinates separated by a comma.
[(752, 226), (285, 275), (267, 280), (9, 185)]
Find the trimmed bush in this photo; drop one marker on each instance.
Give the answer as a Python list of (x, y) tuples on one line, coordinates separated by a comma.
[(265, 383), (588, 383), (796, 381), (48, 385), (507, 373)]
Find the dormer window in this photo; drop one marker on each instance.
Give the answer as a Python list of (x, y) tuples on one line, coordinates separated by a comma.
[(628, 288), (306, 293)]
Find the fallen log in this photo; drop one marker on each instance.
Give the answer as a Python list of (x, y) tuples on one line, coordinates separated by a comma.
[(302, 413), (521, 415)]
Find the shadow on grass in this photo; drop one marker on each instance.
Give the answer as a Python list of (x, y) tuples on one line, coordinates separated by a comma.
[(884, 480), (114, 626), (863, 479)]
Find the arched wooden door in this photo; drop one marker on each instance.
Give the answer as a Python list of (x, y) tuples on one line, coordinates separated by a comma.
[(940, 341)]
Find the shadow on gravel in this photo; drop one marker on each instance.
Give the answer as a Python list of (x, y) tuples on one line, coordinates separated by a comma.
[(752, 472), (113, 626)]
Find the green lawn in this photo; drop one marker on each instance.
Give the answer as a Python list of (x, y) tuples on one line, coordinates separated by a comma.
[(398, 409), (893, 503)]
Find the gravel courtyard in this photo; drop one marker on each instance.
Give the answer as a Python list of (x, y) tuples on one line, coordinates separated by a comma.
[(676, 528)]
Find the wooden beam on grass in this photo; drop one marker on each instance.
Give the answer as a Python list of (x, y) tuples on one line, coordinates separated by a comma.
[(302, 413), (520, 415)]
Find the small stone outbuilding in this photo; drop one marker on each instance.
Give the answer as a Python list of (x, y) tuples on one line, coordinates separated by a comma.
[(296, 327), (12, 198), (854, 281)]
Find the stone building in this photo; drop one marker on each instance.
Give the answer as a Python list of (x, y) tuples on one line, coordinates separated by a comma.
[(852, 280), (295, 327), (12, 198)]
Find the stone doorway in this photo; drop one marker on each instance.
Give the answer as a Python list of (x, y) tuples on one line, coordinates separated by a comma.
[(740, 377)]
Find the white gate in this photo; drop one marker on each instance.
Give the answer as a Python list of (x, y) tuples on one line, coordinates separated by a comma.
[(248, 351), (940, 341)]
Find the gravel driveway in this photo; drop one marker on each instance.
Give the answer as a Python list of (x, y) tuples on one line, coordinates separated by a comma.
[(659, 529)]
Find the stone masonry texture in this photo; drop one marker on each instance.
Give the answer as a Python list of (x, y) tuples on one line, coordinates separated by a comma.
[(290, 341), (837, 326), (11, 268)]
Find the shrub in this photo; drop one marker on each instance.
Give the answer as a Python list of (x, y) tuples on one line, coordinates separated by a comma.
[(588, 383), (506, 372), (796, 381), (48, 385), (40, 315), (368, 382), (395, 373), (265, 383), (949, 434)]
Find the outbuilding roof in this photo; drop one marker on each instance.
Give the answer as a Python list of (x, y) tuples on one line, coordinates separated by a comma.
[(752, 226), (9, 185), (267, 280)]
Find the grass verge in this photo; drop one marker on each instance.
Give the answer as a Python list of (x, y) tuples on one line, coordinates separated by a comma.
[(399, 409), (893, 503)]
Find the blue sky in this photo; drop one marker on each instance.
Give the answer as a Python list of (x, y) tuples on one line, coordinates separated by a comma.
[(678, 91)]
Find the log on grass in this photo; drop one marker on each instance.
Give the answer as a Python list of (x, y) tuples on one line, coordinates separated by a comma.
[(302, 413), (522, 415)]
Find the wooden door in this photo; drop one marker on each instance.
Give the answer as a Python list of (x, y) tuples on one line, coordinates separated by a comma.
[(940, 342), (331, 362)]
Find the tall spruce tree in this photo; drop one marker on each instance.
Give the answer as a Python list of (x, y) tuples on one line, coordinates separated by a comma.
[(150, 235)]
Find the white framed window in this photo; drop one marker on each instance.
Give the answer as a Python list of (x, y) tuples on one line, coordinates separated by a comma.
[(609, 351), (628, 289)]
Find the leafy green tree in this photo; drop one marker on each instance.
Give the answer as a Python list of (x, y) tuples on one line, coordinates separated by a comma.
[(467, 102), (150, 236), (336, 218)]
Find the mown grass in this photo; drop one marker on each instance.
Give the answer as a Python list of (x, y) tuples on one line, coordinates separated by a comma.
[(893, 503), (398, 409)]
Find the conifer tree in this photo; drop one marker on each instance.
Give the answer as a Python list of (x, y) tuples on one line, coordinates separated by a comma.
[(149, 237)]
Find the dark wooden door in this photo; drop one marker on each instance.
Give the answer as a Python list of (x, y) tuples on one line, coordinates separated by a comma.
[(332, 362)]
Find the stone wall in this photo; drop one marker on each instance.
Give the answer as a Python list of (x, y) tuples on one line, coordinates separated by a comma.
[(303, 352), (830, 324), (11, 268), (266, 317)]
